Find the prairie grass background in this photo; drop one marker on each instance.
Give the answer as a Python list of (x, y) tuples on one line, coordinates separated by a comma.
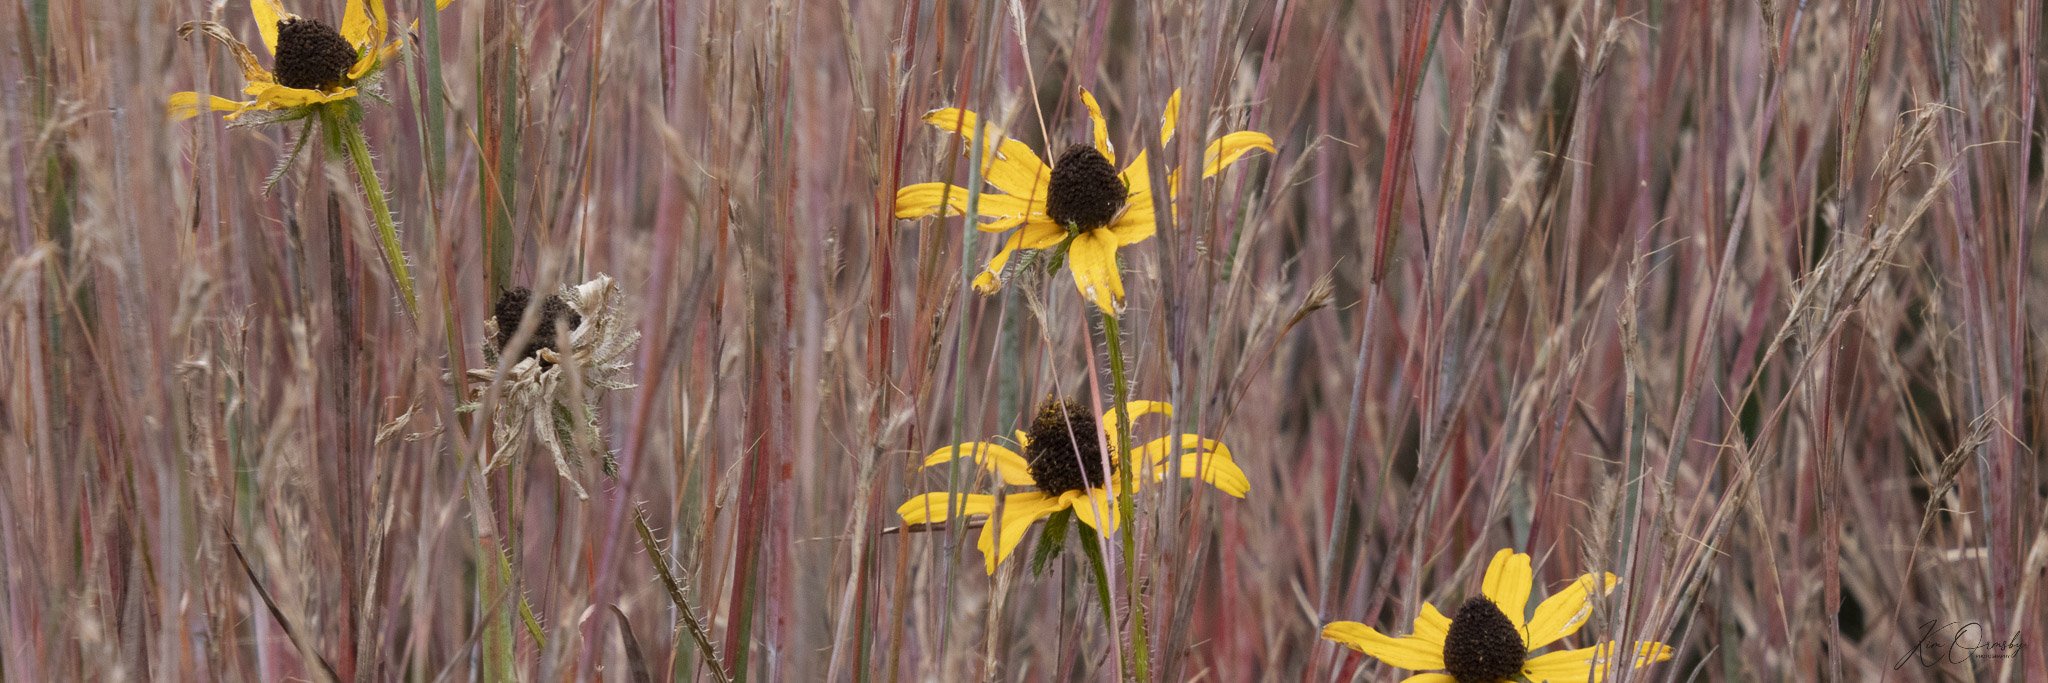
[(1742, 301)]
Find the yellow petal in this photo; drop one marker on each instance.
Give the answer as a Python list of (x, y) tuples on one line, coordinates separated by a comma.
[(1562, 614), (1170, 119), (1034, 235), (1563, 665), (1093, 260), (936, 507), (1097, 507), (925, 199), (1431, 624), (1430, 678), (1591, 663), (274, 96), (1004, 462), (1138, 409), (268, 13), (1019, 512), (252, 70), (1009, 165), (1209, 460), (185, 105), (1205, 459), (373, 59), (1228, 149), (363, 23), (1137, 177), (1412, 653), (1135, 224), (1507, 585), (1100, 126)]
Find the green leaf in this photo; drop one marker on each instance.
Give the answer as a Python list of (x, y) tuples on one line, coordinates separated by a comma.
[(1051, 541)]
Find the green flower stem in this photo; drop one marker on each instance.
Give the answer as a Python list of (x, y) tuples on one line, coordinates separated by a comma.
[(1126, 504), (1091, 545), (343, 129)]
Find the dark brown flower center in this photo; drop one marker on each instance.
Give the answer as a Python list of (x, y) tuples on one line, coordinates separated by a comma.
[(1483, 645), (1065, 452), (311, 55), (511, 307), (1085, 192)]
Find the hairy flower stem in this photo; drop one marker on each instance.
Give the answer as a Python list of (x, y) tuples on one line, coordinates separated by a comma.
[(342, 127), (1126, 504), (1091, 545)]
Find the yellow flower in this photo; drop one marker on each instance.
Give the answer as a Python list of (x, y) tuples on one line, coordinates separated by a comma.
[(1063, 459), (1489, 640), (1081, 201), (313, 63)]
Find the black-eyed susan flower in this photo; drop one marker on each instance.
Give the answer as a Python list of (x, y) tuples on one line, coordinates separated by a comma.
[(574, 351), (1062, 461), (1489, 639), (1080, 203), (316, 75), (313, 63)]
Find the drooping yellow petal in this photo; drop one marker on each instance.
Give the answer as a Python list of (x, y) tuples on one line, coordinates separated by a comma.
[(1605, 663), (1100, 126), (1138, 409), (931, 508), (1002, 461), (1018, 513), (1170, 119), (1209, 460), (1009, 165), (1591, 663), (1412, 653), (1507, 584), (185, 105), (1226, 150), (252, 70), (363, 23), (1096, 507), (1562, 614), (374, 59), (274, 96), (924, 199), (1034, 235), (267, 14), (1092, 258)]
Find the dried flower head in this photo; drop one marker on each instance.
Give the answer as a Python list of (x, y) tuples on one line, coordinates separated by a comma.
[(548, 388)]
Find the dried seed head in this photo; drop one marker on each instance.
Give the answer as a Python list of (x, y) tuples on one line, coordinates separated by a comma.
[(311, 55), (1065, 452), (1483, 645), (511, 307), (1085, 190)]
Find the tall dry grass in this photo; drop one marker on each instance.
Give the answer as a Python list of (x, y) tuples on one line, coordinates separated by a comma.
[(1741, 301)]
